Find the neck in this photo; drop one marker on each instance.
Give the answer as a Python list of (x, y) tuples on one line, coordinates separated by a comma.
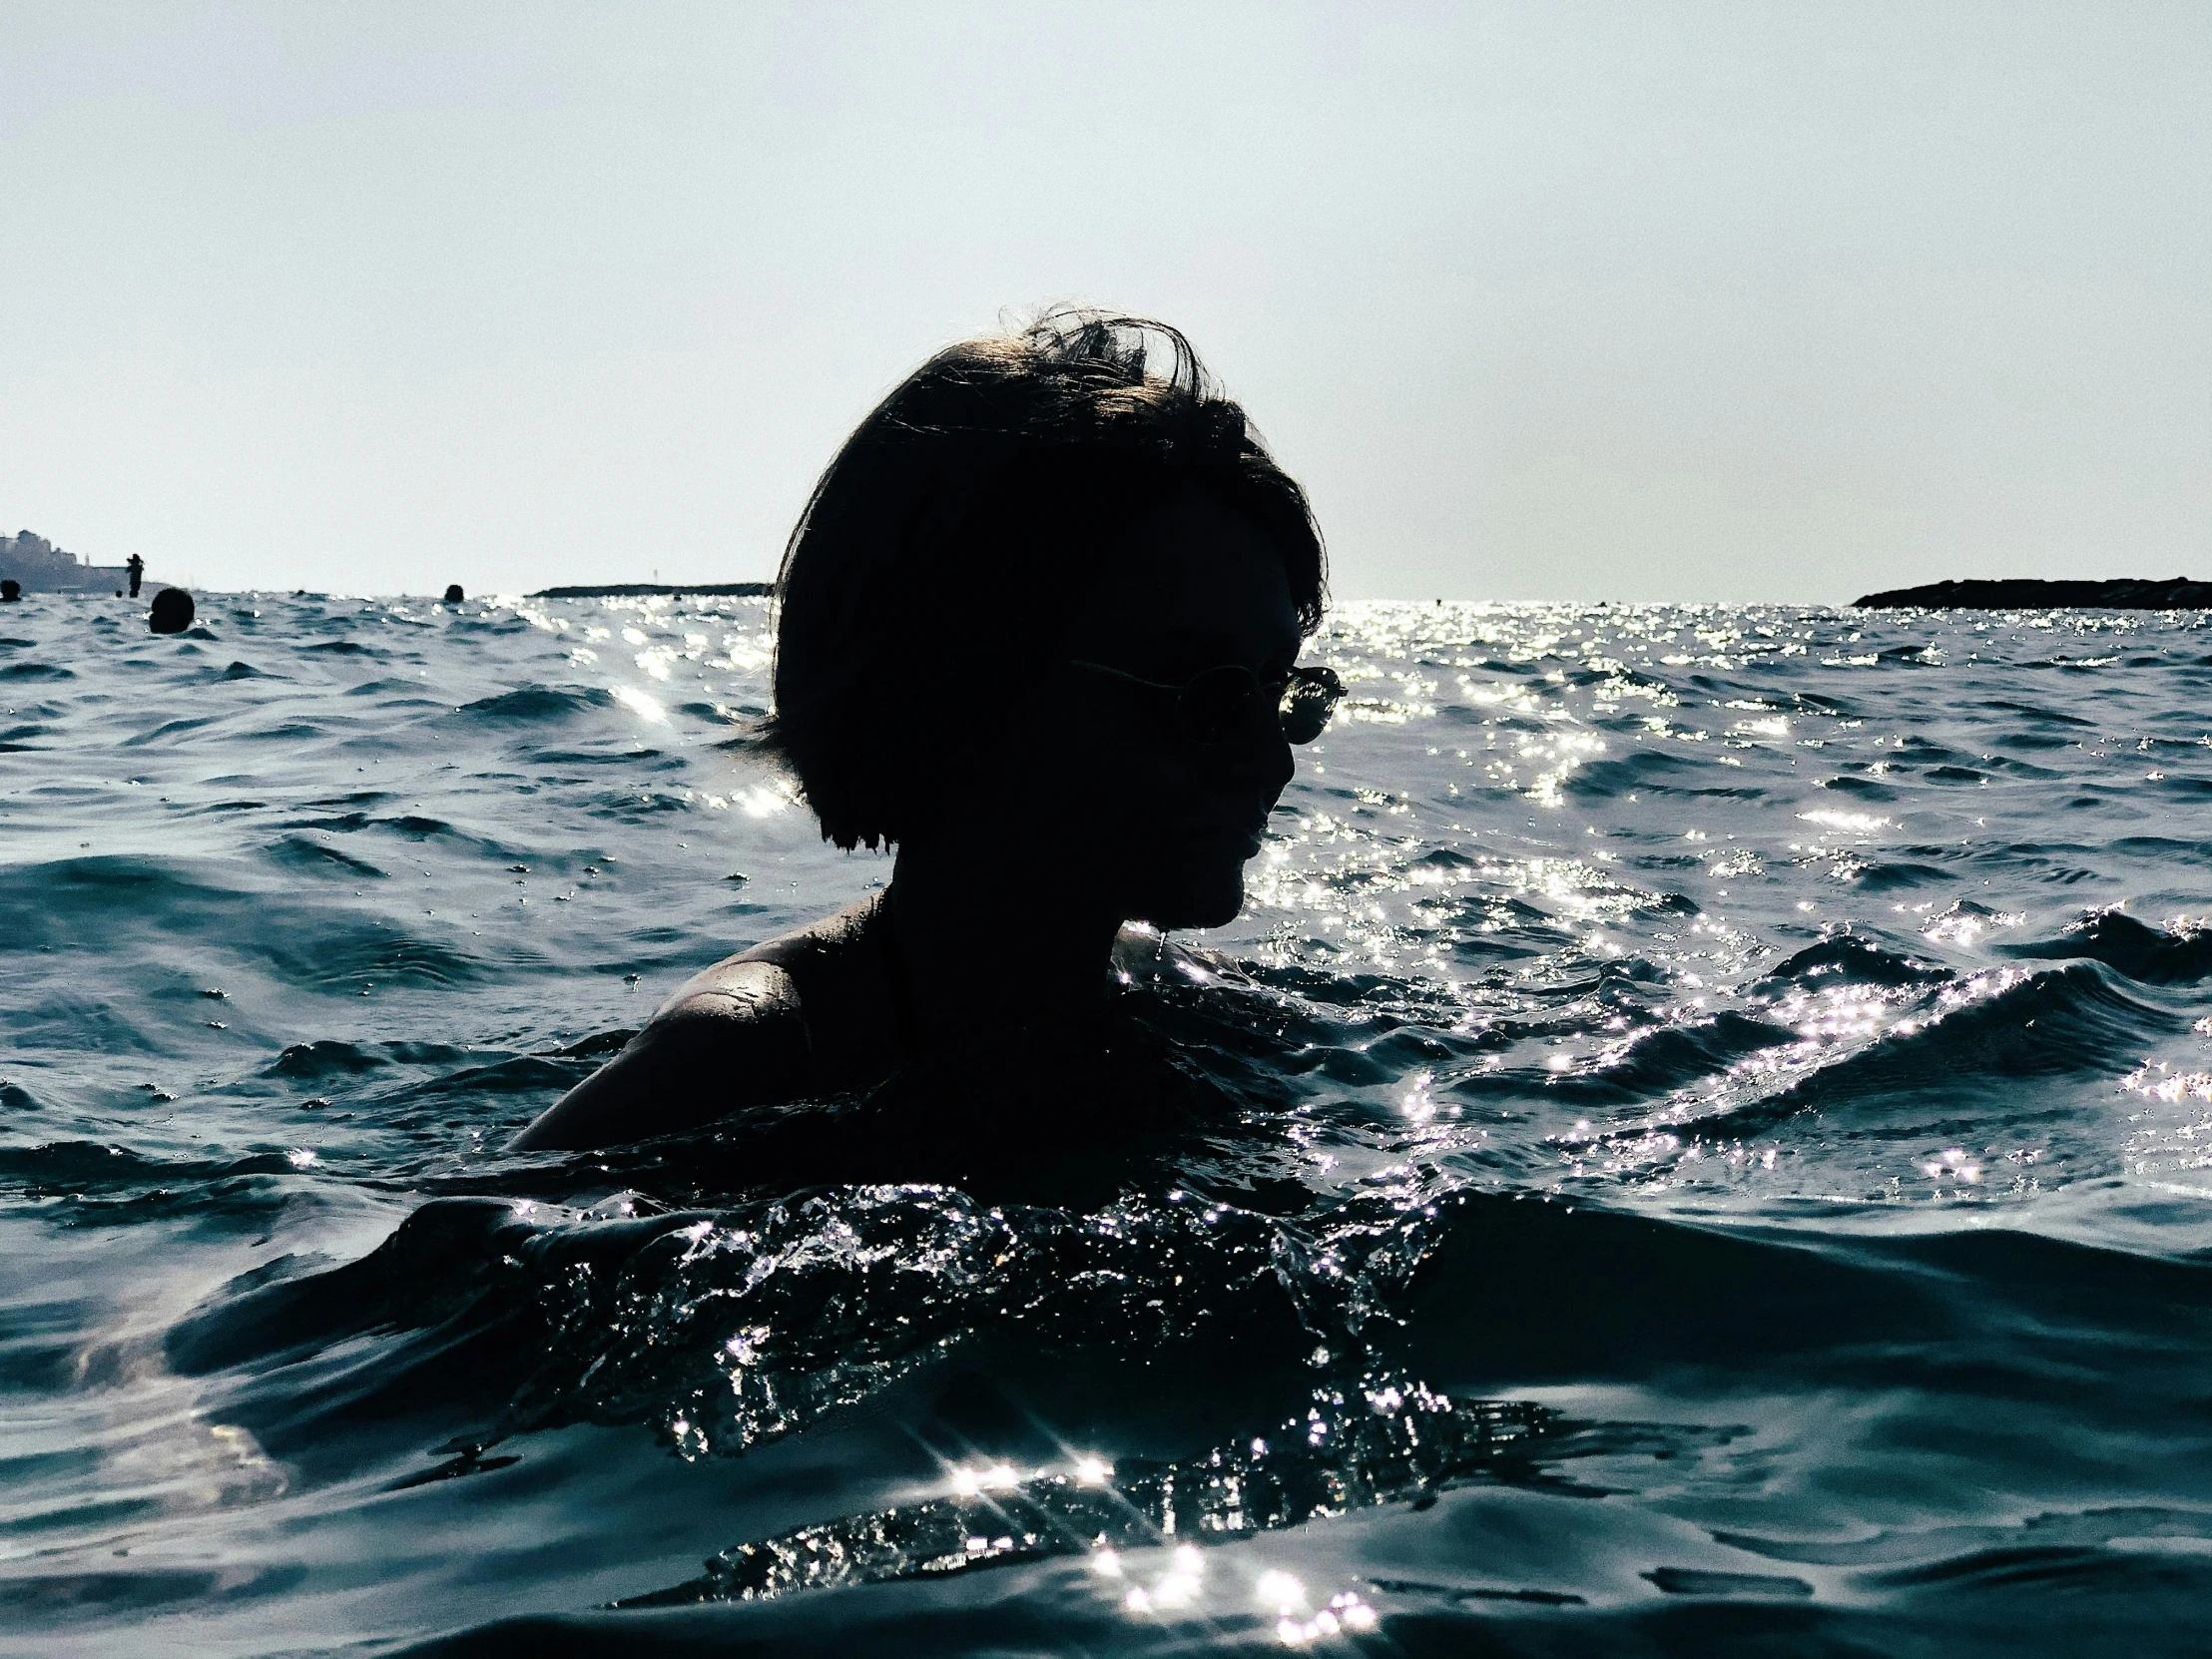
[(1042, 955)]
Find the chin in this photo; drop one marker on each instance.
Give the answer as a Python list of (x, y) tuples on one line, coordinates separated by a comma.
[(1197, 898)]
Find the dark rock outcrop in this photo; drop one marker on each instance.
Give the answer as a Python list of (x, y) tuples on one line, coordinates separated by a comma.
[(633, 590), (2120, 593)]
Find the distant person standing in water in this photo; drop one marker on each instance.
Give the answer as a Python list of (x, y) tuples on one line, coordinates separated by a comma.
[(137, 567), (1039, 632), (172, 612)]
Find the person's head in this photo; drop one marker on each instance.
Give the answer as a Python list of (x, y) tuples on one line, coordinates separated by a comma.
[(10, 591), (453, 595), (1078, 493), (172, 612)]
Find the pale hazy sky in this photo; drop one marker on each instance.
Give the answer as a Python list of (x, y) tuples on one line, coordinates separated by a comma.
[(1637, 301)]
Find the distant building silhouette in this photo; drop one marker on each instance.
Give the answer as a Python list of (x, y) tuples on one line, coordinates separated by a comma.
[(41, 567)]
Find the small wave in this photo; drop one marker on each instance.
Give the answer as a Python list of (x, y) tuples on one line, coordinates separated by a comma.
[(1653, 770), (1889, 876), (2068, 1023), (71, 1166), (298, 853), (325, 1058), (1665, 1058), (170, 729), (418, 828), (727, 1327), (523, 1074), (1863, 789), (2147, 954), (652, 760), (2011, 767), (1394, 1443), (88, 1184), (1930, 1554), (291, 730), (2164, 847), (352, 956), (1649, 1294), (400, 693), (1692, 1581), (1847, 959), (536, 705)]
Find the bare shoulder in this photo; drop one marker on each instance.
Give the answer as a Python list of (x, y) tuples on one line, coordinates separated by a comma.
[(746, 989), (731, 1036), (804, 948)]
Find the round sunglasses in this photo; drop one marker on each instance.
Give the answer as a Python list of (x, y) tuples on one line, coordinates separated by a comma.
[(1222, 704)]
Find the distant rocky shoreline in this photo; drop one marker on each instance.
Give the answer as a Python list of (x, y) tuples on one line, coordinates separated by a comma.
[(636, 590), (41, 567), (2122, 593)]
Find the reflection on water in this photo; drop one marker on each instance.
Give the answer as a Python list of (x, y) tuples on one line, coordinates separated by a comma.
[(1386, 1442), (1704, 1120)]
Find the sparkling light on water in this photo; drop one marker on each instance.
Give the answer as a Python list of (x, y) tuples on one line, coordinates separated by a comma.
[(1610, 930)]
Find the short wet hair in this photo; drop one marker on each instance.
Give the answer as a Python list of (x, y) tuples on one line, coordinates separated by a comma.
[(972, 504)]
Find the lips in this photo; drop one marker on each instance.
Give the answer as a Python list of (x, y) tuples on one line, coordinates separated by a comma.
[(1245, 838)]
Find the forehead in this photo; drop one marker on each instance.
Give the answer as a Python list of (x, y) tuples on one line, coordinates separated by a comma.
[(1190, 583)]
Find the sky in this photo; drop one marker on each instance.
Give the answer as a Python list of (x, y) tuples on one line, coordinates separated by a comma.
[(1631, 302)]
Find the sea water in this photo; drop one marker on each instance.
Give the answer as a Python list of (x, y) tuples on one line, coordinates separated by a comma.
[(1701, 1142)]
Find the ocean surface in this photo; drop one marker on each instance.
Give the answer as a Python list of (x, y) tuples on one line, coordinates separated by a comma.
[(1700, 1143)]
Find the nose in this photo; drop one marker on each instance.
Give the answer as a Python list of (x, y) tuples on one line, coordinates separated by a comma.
[(1263, 764)]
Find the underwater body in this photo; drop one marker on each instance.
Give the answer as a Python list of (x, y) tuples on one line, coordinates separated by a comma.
[(1701, 1142)]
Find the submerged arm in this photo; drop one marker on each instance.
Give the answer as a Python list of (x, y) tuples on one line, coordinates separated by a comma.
[(729, 1037)]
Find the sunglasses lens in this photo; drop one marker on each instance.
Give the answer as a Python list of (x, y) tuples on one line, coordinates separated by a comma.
[(1219, 704), (1308, 702), (1216, 705)]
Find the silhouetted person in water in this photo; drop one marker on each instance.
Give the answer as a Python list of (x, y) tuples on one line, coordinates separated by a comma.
[(137, 567), (453, 594), (1039, 632), (172, 612), (11, 591)]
